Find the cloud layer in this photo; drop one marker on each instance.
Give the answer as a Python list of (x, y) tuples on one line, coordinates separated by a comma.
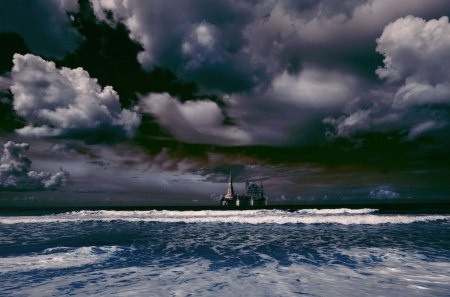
[(66, 102), (16, 173)]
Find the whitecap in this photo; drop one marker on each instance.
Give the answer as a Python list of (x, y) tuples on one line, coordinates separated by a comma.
[(307, 216)]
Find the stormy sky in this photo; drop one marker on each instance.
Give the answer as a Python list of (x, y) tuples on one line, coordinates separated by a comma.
[(135, 102)]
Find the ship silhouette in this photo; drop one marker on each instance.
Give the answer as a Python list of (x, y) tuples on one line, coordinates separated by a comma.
[(254, 195)]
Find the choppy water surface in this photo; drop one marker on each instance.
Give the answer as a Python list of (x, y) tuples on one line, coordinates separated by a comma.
[(334, 252)]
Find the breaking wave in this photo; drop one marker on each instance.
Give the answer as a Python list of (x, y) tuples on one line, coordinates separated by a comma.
[(307, 216)]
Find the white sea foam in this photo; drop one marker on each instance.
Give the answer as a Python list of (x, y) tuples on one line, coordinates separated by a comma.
[(398, 273), (309, 216), (56, 258), (336, 211)]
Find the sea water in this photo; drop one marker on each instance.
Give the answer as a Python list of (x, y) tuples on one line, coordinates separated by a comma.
[(313, 252)]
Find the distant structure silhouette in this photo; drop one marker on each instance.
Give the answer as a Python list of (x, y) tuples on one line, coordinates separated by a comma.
[(254, 195)]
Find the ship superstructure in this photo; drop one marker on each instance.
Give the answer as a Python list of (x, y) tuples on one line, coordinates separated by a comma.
[(254, 195), (230, 195)]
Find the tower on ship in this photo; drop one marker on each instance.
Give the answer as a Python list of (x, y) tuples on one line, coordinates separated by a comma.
[(254, 195), (230, 191)]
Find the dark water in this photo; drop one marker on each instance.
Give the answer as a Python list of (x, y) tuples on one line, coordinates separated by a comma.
[(254, 253)]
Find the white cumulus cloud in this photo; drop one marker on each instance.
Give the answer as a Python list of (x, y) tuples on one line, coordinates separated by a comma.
[(415, 49), (417, 71), (417, 54), (16, 173), (62, 102)]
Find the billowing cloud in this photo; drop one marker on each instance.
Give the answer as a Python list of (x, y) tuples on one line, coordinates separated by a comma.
[(65, 102), (330, 21), (206, 45), (416, 69), (414, 49), (255, 79), (234, 45), (417, 53), (193, 121), (282, 66), (44, 24), (16, 173)]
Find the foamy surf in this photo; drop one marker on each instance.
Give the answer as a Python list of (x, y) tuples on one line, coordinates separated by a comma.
[(56, 258), (307, 216), (398, 273), (255, 253)]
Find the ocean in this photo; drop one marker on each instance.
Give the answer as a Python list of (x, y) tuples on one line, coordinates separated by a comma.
[(309, 252)]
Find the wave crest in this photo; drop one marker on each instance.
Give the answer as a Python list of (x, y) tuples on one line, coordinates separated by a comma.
[(306, 216)]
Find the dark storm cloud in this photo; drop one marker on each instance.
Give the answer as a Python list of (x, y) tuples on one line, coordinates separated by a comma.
[(43, 24), (282, 91), (203, 43), (343, 33), (271, 56), (290, 110), (10, 43), (234, 46), (106, 54), (300, 63), (16, 173), (109, 55)]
